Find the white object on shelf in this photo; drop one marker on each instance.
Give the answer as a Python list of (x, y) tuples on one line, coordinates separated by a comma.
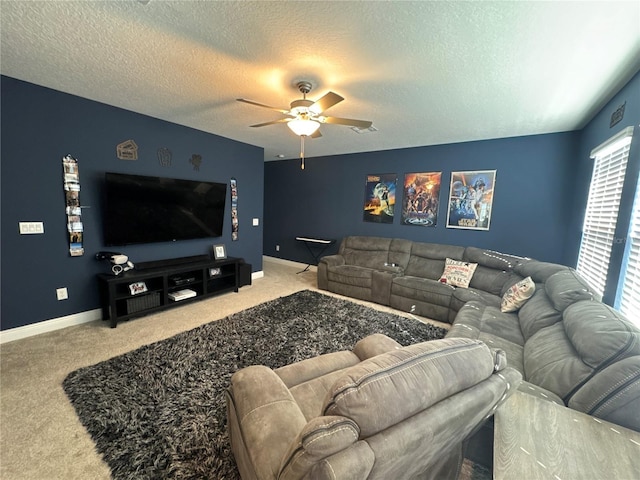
[(182, 294)]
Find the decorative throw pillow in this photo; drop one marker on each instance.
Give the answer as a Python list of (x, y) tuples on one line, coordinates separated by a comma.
[(458, 273), (517, 295)]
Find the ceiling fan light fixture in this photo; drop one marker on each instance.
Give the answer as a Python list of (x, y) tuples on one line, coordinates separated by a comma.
[(301, 126)]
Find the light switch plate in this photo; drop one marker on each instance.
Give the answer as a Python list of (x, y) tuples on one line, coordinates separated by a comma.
[(256, 222), (31, 228)]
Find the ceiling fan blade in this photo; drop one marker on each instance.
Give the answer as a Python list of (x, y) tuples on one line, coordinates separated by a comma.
[(273, 122), (251, 102), (316, 134), (326, 102), (346, 121)]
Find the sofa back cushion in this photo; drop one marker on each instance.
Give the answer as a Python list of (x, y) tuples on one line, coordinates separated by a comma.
[(537, 313), (493, 281), (565, 356), (538, 271), (400, 252), (566, 287), (389, 388), (561, 289), (370, 252), (600, 334), (492, 259), (427, 259), (494, 273)]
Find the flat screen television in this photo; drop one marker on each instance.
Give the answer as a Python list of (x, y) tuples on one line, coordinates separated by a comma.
[(142, 209)]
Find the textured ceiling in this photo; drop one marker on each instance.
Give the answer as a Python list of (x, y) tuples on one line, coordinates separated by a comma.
[(425, 73)]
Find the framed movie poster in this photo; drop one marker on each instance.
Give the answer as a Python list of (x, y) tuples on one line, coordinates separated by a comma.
[(421, 199), (470, 199), (380, 198)]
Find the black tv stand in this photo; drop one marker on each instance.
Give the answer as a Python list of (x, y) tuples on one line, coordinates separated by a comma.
[(140, 292)]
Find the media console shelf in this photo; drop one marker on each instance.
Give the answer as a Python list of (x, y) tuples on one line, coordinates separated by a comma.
[(140, 292)]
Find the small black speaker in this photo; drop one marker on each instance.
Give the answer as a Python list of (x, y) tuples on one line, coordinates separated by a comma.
[(244, 274)]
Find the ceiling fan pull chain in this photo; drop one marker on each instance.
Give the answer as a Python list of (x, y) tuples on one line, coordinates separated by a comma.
[(302, 152)]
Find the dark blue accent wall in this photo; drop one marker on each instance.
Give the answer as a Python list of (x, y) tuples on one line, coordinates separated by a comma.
[(534, 190), (595, 133), (40, 126)]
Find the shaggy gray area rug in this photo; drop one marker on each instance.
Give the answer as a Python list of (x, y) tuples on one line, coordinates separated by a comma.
[(159, 412)]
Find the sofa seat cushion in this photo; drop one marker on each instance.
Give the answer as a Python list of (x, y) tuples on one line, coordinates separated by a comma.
[(428, 298), (498, 330), (461, 296), (351, 275)]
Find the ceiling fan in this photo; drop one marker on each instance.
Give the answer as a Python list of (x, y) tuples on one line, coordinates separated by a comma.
[(305, 116)]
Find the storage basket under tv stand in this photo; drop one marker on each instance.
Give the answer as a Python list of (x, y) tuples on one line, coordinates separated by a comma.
[(206, 277)]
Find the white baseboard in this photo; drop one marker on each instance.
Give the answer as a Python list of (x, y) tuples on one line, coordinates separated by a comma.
[(255, 275), (19, 333), (45, 326), (291, 263)]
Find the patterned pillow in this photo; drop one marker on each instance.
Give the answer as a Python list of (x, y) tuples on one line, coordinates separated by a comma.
[(517, 295), (458, 273)]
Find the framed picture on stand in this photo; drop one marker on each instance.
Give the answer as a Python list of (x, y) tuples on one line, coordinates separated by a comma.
[(219, 252)]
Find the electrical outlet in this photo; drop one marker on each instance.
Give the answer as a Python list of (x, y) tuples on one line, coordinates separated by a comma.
[(62, 293), (277, 248)]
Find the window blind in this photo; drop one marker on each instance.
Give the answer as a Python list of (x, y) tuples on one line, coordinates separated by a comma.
[(629, 298), (601, 214)]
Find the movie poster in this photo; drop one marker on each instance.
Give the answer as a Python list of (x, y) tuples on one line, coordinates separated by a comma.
[(380, 198), (470, 199), (421, 199)]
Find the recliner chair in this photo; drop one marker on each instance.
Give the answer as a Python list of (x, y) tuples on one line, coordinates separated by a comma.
[(382, 411)]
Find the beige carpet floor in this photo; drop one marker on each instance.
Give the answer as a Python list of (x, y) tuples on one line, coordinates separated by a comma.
[(41, 438)]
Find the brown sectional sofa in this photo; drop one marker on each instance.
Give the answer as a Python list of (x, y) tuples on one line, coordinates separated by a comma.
[(569, 347)]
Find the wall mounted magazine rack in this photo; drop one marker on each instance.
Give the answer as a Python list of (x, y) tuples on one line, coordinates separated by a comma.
[(73, 210)]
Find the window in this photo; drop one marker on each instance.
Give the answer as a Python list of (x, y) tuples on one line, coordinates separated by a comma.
[(601, 214), (628, 301)]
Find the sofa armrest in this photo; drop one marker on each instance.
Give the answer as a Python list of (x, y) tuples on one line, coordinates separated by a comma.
[(373, 345), (267, 416), (541, 393), (333, 260), (323, 265), (310, 368)]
